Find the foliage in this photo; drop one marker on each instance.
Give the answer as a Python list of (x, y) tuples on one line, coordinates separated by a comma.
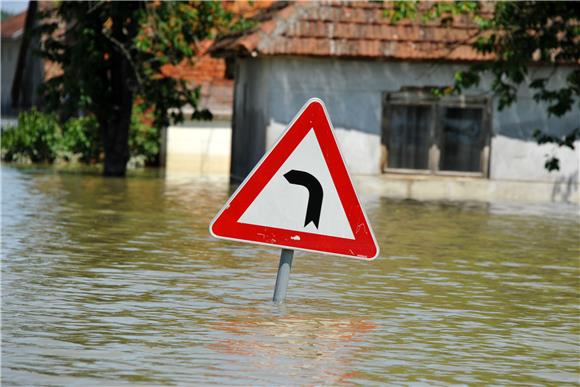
[(553, 163), (81, 137), (37, 138), (113, 52), (517, 34), (5, 14), (144, 140), (170, 35)]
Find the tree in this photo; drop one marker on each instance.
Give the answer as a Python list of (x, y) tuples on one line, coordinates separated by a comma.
[(517, 34), (5, 14), (113, 52)]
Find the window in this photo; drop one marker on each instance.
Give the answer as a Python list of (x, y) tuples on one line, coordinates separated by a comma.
[(422, 134), (409, 137)]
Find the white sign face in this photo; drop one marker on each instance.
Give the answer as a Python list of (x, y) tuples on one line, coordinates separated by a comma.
[(300, 195), (283, 205)]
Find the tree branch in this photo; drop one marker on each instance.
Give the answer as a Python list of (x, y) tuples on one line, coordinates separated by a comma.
[(127, 55)]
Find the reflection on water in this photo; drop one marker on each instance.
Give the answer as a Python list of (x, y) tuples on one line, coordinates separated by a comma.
[(112, 281)]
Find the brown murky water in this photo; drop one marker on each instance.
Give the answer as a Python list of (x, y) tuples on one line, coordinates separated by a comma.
[(118, 282)]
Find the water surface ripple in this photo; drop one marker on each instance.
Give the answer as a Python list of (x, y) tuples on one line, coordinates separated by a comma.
[(116, 281)]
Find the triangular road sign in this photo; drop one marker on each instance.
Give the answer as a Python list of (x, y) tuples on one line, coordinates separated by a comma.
[(300, 195)]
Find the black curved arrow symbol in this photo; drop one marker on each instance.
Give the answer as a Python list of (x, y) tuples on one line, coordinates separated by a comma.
[(314, 193)]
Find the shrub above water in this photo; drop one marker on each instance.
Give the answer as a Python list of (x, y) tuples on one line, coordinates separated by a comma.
[(36, 138), (81, 139), (40, 138)]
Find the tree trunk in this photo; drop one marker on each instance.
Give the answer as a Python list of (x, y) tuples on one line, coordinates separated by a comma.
[(115, 128), (116, 145), (115, 131)]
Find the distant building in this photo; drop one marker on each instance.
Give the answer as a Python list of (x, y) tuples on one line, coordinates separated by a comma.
[(22, 70), (11, 30), (375, 79), (202, 147)]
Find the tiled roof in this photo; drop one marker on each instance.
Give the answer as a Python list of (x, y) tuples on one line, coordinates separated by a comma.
[(13, 27), (209, 73), (350, 29)]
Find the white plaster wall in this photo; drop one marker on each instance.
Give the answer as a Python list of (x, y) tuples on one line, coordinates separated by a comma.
[(199, 148), (353, 91), (361, 151), (517, 159)]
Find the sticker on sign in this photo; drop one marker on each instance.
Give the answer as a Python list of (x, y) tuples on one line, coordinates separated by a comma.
[(300, 195)]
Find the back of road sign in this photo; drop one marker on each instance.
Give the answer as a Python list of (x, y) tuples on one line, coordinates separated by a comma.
[(300, 195)]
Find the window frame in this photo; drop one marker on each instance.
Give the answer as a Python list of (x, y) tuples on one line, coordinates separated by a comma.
[(425, 98)]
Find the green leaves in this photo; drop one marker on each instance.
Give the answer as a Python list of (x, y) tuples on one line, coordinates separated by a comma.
[(37, 138), (144, 139), (402, 10), (567, 141), (81, 137), (443, 10), (552, 163), (560, 101), (171, 35), (40, 138)]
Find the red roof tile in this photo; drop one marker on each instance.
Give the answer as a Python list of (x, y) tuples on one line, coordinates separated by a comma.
[(208, 73), (13, 27), (351, 29)]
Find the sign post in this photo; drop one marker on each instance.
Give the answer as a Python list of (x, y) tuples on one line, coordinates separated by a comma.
[(283, 276), (299, 197)]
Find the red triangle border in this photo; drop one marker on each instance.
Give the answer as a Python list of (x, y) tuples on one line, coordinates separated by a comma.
[(225, 225)]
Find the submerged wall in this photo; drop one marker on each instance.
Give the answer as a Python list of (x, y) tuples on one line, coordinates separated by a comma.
[(199, 147)]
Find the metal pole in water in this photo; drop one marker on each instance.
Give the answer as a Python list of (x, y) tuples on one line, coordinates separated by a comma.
[(283, 275)]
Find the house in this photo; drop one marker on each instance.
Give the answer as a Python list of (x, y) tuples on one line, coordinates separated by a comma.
[(11, 31), (203, 147), (196, 146), (375, 79), (22, 70)]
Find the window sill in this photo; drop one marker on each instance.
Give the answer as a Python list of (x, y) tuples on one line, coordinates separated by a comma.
[(426, 173)]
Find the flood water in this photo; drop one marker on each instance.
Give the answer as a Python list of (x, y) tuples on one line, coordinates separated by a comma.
[(117, 281)]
